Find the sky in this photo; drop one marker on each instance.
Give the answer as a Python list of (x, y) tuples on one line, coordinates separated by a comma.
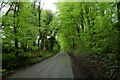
[(46, 4), (49, 4)]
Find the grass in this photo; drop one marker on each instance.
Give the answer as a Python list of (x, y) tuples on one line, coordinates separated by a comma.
[(10, 63)]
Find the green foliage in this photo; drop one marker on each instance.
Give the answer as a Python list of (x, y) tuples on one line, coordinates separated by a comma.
[(9, 61), (82, 26), (20, 26), (90, 27)]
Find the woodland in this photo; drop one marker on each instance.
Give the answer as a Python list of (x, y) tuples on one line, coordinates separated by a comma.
[(31, 34)]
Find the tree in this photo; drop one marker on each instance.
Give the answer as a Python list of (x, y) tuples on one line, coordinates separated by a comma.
[(45, 23), (90, 27), (39, 15)]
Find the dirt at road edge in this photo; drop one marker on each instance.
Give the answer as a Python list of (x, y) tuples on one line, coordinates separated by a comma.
[(83, 70)]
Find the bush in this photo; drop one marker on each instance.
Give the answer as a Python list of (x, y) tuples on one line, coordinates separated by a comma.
[(8, 61), (22, 56)]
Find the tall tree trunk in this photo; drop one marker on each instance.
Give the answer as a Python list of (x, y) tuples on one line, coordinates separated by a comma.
[(118, 27), (34, 12), (42, 42), (118, 41), (39, 13), (15, 25), (118, 10)]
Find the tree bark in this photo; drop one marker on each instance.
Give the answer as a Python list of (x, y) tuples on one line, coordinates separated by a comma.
[(15, 25), (5, 3), (118, 26), (39, 13)]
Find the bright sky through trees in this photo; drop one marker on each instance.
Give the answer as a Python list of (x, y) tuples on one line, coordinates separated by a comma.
[(90, 29), (46, 4), (49, 4)]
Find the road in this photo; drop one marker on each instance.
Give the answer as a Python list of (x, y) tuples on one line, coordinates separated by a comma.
[(58, 66)]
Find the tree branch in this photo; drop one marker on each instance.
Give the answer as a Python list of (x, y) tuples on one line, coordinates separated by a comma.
[(3, 5)]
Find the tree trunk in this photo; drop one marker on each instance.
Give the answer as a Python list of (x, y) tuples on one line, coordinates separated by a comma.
[(118, 9), (42, 43), (46, 41), (39, 13), (15, 25)]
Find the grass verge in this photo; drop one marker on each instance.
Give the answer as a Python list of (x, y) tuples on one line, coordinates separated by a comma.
[(10, 63)]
